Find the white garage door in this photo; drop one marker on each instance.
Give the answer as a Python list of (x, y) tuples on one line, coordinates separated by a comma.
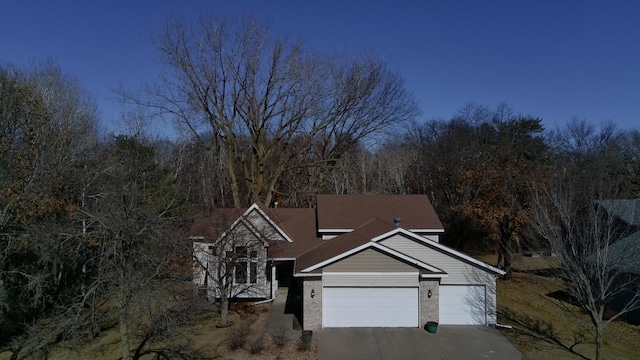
[(370, 307), (463, 305)]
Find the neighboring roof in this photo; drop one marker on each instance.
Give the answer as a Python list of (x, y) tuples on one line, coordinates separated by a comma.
[(624, 254), (347, 212), (627, 210)]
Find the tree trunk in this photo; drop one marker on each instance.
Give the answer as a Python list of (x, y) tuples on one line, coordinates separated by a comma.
[(224, 308), (505, 254), (597, 321), (123, 319), (598, 342)]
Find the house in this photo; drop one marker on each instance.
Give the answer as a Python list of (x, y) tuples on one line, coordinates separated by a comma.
[(353, 261), (624, 251)]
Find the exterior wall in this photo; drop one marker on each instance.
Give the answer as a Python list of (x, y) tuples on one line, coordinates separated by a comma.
[(350, 279), (369, 261), (430, 236), (312, 307), (459, 271), (205, 274), (429, 307)]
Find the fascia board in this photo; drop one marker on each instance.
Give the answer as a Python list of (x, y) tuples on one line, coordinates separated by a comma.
[(440, 247), (379, 247), (433, 276), (427, 230), (335, 230), (337, 257), (264, 215), (405, 257)]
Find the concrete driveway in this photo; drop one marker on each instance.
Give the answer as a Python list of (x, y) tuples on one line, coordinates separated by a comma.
[(449, 343)]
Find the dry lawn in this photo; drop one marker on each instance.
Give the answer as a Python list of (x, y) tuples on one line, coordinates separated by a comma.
[(248, 330), (542, 330)]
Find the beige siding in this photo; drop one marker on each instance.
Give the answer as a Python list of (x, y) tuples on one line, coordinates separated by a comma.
[(369, 261), (432, 237), (370, 279), (459, 271)]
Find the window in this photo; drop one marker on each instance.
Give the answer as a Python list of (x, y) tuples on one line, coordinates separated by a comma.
[(241, 251), (245, 268), (253, 272), (240, 272)]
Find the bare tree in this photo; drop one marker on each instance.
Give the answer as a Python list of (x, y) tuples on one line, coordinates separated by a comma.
[(266, 104), (42, 142), (584, 238)]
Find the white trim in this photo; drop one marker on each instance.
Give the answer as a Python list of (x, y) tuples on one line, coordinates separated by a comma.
[(297, 274), (337, 257), (433, 276), (406, 258), (242, 218), (393, 232), (439, 247), (371, 273), (256, 207), (194, 238), (427, 230), (376, 246), (335, 230), (281, 259)]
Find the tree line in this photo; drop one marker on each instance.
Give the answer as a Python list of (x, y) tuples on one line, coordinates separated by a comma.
[(93, 226)]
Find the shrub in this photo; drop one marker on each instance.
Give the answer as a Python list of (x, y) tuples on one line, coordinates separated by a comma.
[(256, 345), (280, 336), (237, 336)]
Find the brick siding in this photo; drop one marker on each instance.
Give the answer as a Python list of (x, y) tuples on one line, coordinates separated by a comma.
[(312, 307), (429, 307)]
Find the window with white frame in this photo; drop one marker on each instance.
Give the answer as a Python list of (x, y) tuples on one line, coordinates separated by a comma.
[(245, 267)]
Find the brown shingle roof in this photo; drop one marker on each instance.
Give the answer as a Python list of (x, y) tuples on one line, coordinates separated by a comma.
[(300, 226), (350, 211), (343, 243)]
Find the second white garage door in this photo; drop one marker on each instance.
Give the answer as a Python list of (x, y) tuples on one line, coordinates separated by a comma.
[(370, 307), (462, 305)]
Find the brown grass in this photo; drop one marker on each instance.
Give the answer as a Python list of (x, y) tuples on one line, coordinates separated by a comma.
[(542, 330), (204, 336)]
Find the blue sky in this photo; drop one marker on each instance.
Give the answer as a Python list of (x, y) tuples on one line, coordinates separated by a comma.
[(550, 59)]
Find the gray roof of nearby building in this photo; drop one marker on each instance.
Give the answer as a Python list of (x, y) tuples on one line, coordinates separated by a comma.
[(627, 210), (625, 253)]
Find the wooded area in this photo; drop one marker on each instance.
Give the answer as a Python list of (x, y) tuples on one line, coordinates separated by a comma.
[(93, 225)]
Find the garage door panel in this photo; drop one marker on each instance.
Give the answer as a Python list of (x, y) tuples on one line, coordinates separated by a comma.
[(370, 307), (462, 305)]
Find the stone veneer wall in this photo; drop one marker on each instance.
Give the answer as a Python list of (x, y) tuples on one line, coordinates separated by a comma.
[(429, 307), (312, 307)]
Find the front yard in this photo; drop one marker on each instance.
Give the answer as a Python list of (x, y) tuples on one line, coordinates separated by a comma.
[(540, 329)]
